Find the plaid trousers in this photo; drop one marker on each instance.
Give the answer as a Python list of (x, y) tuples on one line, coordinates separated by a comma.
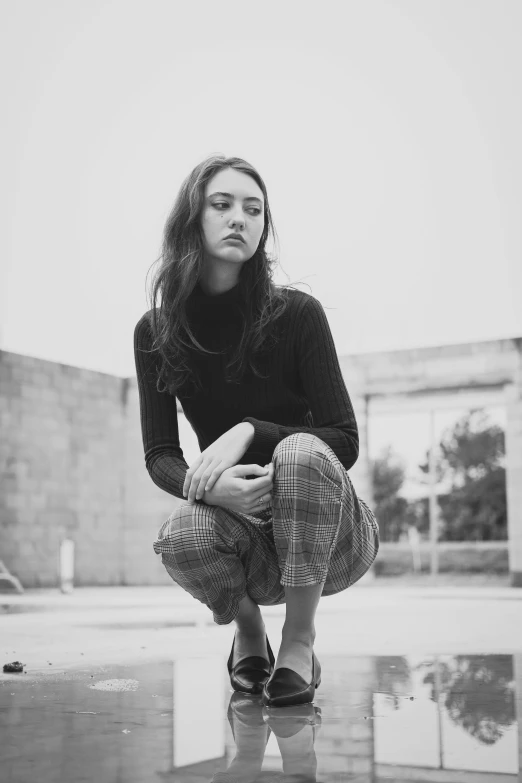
[(316, 532)]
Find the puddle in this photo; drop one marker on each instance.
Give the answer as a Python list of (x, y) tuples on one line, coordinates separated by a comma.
[(462, 717), (375, 718)]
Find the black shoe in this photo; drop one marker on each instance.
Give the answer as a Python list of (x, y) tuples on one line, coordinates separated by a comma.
[(286, 687), (250, 674)]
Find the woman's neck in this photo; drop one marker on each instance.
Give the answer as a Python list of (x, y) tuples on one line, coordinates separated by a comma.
[(215, 281)]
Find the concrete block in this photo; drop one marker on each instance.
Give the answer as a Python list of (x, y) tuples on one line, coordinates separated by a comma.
[(15, 501), (30, 392), (362, 765), (328, 762)]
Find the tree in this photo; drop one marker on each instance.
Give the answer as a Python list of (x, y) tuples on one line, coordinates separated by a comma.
[(479, 693), (388, 474), (470, 468)]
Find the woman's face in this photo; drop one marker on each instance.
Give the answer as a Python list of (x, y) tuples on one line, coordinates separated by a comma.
[(234, 204)]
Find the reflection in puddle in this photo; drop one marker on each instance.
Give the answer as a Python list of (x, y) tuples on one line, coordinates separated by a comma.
[(462, 717), (446, 718), (383, 718), (292, 732), (199, 730)]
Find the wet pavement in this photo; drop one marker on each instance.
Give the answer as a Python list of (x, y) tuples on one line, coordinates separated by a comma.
[(141, 693)]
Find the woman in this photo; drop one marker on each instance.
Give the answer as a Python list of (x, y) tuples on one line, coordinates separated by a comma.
[(271, 515)]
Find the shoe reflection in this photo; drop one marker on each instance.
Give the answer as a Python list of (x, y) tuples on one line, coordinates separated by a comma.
[(294, 728)]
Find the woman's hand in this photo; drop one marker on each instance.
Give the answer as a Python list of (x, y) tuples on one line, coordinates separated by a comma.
[(225, 452), (232, 490)]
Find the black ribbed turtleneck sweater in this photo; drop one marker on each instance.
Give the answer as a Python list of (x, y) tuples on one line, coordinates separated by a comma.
[(304, 392)]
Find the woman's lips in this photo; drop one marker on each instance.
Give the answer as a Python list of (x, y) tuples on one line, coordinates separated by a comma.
[(234, 239)]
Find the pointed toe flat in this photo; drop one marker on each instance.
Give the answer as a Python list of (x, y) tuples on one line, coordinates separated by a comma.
[(249, 675), (286, 688)]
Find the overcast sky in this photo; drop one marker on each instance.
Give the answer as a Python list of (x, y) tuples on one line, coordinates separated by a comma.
[(388, 134)]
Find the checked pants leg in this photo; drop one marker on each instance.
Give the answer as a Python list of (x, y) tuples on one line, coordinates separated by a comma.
[(317, 532)]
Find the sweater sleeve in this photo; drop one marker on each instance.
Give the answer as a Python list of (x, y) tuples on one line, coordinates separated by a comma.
[(159, 418), (324, 387)]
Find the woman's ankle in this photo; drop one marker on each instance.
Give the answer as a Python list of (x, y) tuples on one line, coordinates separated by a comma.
[(292, 634), (249, 620), (248, 630)]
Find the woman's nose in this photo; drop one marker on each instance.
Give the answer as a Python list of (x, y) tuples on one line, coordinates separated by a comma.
[(237, 219)]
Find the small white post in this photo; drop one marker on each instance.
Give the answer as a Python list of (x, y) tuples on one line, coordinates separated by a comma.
[(67, 565), (414, 541), (433, 507)]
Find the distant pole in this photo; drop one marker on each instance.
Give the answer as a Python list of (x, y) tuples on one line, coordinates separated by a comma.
[(414, 540), (67, 565), (433, 510)]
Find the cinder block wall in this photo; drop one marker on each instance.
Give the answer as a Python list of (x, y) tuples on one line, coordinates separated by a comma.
[(72, 466), (61, 470)]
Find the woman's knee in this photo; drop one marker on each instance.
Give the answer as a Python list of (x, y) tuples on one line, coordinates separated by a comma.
[(189, 524), (302, 454), (297, 444)]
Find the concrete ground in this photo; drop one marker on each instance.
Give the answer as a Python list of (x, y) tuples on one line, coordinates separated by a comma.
[(130, 684)]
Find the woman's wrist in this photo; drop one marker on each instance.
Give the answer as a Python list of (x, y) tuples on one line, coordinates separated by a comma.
[(249, 429)]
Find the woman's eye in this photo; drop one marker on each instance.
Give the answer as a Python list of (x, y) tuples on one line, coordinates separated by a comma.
[(254, 211)]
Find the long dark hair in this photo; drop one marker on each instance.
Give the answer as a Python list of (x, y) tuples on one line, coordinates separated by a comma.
[(179, 267)]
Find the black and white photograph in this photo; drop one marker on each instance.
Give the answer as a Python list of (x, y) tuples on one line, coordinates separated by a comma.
[(261, 391)]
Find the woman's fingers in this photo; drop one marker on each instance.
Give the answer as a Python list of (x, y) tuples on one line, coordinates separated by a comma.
[(200, 486), (190, 475), (266, 497), (207, 470), (240, 471), (262, 490), (191, 483), (261, 483), (260, 506), (209, 477)]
